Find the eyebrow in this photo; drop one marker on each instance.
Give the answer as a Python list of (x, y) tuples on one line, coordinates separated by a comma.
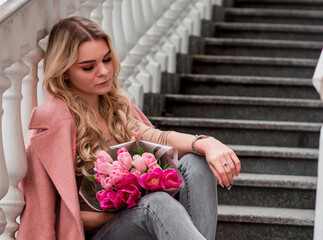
[(90, 61)]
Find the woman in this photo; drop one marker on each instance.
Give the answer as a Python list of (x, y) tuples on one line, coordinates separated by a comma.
[(85, 113)]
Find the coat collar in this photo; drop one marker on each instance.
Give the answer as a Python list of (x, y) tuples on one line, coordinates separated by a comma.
[(51, 112)]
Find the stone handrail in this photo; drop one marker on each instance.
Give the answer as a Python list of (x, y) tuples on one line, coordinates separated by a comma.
[(147, 34), (318, 222)]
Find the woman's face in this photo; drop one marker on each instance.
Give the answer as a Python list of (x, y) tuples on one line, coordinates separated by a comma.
[(92, 73)]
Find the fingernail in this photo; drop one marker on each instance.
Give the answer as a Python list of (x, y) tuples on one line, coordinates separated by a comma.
[(229, 186), (221, 185)]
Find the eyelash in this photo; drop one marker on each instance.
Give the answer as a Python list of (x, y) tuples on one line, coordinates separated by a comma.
[(104, 60)]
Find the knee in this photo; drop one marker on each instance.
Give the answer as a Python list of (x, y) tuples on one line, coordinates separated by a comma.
[(159, 202), (195, 165)]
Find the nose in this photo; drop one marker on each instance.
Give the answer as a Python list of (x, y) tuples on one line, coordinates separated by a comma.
[(102, 70)]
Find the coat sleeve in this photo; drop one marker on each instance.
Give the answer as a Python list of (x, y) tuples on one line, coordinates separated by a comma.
[(38, 218)]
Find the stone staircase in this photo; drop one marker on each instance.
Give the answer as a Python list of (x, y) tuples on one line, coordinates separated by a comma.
[(247, 82)]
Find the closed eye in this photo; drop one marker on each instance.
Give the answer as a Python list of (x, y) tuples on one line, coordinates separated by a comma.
[(107, 59), (88, 68)]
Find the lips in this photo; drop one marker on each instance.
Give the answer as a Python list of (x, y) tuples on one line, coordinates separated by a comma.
[(103, 83)]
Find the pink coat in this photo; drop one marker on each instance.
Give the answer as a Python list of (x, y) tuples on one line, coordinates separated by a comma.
[(52, 208)]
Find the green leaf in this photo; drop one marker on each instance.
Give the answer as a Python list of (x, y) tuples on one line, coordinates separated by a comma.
[(96, 203), (140, 150), (151, 151), (91, 178), (159, 162), (166, 166)]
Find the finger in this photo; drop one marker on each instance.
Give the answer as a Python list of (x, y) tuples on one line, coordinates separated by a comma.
[(224, 172), (226, 161), (216, 175), (237, 163), (231, 165)]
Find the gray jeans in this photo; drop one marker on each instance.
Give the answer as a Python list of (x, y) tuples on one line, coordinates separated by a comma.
[(160, 216)]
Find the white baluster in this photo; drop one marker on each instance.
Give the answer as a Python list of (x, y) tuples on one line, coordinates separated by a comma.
[(118, 31), (148, 14), (170, 51), (41, 93), (139, 20), (144, 77), (154, 68), (4, 178), (201, 7), (196, 18), (49, 15), (136, 89), (5, 61), (86, 7), (61, 10), (162, 58), (166, 3), (29, 87), (157, 8), (130, 33), (129, 63), (96, 14), (108, 19), (71, 7), (208, 4), (14, 149)]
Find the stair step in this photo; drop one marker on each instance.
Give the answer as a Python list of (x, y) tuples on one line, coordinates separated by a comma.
[(256, 108), (276, 181), (254, 189), (275, 152), (278, 4), (281, 16), (266, 215), (269, 31), (254, 66), (247, 132), (263, 48), (277, 160), (230, 85), (264, 223)]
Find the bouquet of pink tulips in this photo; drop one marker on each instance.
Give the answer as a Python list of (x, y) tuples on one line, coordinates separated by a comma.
[(121, 183)]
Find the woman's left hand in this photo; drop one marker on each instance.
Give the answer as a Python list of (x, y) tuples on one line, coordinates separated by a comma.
[(222, 160)]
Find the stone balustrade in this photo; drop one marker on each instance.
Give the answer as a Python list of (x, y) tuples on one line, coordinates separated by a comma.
[(318, 222), (147, 35)]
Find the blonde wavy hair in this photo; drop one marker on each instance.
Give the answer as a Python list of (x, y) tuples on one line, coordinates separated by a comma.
[(62, 51)]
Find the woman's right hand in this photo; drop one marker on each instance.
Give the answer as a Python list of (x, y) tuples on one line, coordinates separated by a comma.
[(95, 220)]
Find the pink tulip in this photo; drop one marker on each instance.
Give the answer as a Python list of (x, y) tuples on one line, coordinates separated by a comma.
[(130, 196), (136, 172), (99, 176), (121, 150), (129, 190), (139, 163), (136, 135), (152, 181), (128, 180), (104, 156), (106, 183), (170, 179), (117, 165), (116, 175), (102, 166), (125, 160), (109, 200), (150, 160)]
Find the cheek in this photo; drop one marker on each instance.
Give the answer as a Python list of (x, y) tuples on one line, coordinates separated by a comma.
[(80, 80)]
